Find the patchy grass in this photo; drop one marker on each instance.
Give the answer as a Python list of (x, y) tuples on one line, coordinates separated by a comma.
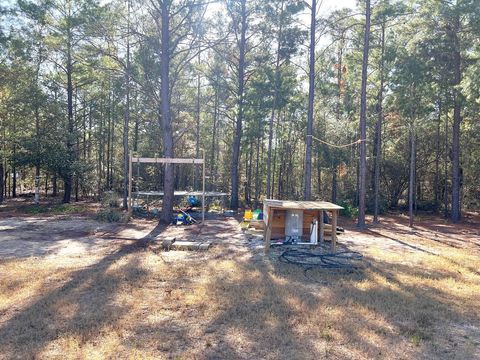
[(112, 215), (138, 302), (54, 209)]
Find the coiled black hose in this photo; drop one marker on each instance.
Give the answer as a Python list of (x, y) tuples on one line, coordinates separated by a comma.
[(337, 260)]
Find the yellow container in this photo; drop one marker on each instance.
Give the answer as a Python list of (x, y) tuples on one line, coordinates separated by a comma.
[(248, 216)]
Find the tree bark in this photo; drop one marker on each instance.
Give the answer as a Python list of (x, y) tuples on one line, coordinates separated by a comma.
[(2, 185), (363, 123), (67, 178), (338, 114), (276, 82), (307, 191), (334, 184), (378, 130), (14, 169), (437, 158), (197, 125), (165, 114), (411, 186), (445, 169), (240, 99), (457, 119), (126, 119), (257, 169), (213, 167)]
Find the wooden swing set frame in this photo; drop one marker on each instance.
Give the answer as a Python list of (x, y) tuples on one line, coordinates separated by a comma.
[(165, 161)]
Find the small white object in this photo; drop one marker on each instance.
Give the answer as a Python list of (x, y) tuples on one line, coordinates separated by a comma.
[(314, 232)]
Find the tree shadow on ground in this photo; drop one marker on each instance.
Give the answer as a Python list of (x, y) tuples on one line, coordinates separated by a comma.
[(81, 306), (274, 312)]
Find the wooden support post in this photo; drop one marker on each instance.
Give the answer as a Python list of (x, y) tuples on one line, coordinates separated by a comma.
[(334, 229), (267, 234), (203, 188), (321, 228), (130, 205)]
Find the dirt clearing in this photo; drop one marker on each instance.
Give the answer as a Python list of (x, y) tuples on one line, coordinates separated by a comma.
[(76, 288)]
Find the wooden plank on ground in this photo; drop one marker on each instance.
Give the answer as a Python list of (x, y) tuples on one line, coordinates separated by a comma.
[(190, 245)]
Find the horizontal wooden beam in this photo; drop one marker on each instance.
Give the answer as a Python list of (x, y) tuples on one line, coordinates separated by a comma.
[(166, 160)]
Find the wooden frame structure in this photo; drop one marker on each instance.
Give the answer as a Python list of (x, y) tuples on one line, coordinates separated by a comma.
[(312, 210), (140, 160)]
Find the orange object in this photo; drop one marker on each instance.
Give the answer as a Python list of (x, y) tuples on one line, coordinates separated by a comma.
[(248, 215)]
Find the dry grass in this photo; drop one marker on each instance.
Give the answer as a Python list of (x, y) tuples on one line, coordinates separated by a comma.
[(139, 303)]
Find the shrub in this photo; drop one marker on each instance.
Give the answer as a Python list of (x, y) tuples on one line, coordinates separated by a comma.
[(110, 199), (111, 215), (349, 210)]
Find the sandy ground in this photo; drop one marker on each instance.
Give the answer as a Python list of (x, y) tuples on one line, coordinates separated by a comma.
[(26, 236), (77, 288)]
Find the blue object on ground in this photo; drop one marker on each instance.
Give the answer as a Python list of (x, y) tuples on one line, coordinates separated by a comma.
[(193, 200)]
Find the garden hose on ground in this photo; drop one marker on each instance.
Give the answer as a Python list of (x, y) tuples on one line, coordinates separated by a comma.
[(346, 261), (337, 260)]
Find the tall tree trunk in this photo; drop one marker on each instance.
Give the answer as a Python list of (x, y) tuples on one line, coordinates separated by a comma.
[(77, 142), (165, 114), (70, 130), (363, 123), (276, 84), (457, 119), (411, 186), (126, 118), (240, 98), (197, 125), (445, 169), (257, 169), (46, 184), (109, 136), (338, 114), (378, 130), (274, 158), (54, 186), (77, 180), (213, 167), (248, 188), (37, 148), (8, 178), (14, 168), (100, 148), (307, 190), (2, 184), (334, 183), (437, 158), (90, 126), (111, 151)]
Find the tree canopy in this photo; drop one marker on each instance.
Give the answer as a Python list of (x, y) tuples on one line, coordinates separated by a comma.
[(375, 106)]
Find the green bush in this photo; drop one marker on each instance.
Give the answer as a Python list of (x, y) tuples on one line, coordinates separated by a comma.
[(349, 210), (110, 200), (382, 205), (111, 216), (427, 206), (110, 210)]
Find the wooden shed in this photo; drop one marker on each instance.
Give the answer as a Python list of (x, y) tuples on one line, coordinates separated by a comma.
[(275, 212)]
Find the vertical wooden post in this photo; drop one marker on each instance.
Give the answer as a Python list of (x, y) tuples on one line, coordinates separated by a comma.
[(203, 188), (322, 228), (130, 204), (334, 229), (267, 232)]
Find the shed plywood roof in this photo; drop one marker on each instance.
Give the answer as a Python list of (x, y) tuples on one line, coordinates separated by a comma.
[(301, 205)]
